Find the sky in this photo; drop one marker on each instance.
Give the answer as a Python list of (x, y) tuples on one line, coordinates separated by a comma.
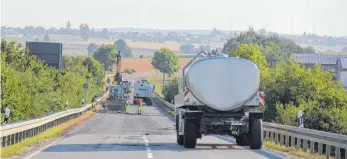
[(323, 17)]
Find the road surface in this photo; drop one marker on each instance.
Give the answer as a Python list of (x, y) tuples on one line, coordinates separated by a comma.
[(109, 134)]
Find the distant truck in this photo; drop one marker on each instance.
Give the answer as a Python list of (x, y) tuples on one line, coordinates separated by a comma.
[(144, 90), (216, 94)]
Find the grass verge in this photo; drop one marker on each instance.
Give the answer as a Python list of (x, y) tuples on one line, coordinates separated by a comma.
[(291, 151), (24, 146)]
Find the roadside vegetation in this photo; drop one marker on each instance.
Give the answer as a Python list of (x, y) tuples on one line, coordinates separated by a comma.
[(288, 86), (291, 151), (30, 88)]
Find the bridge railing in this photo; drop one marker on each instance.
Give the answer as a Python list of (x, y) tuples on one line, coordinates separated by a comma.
[(316, 142), (16, 132)]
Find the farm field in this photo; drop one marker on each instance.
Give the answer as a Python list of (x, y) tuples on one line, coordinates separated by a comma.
[(143, 65), (75, 46)]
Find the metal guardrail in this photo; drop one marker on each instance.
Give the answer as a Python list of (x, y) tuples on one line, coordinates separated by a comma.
[(16, 132), (317, 142)]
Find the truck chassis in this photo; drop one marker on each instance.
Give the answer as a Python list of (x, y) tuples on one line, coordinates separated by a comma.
[(192, 122)]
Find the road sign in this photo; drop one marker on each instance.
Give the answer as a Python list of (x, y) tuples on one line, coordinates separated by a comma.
[(300, 119), (85, 85)]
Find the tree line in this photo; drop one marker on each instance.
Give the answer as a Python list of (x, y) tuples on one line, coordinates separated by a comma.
[(30, 88), (289, 87), (84, 31)]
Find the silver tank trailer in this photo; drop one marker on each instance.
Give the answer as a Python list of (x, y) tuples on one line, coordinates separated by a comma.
[(223, 83)]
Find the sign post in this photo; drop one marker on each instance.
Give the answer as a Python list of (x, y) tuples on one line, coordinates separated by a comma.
[(300, 119), (85, 86)]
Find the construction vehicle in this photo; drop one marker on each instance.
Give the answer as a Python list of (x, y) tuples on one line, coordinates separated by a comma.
[(217, 96), (118, 78), (144, 90)]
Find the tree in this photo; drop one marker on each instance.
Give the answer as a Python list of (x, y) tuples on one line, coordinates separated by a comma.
[(170, 89), (165, 61), (104, 33), (31, 88), (68, 25), (274, 48), (46, 37), (28, 31), (123, 48), (91, 49), (107, 56), (85, 31), (309, 50), (252, 53), (39, 30)]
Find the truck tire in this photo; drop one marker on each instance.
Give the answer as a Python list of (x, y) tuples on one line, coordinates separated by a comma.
[(242, 140), (255, 137), (179, 137), (190, 133)]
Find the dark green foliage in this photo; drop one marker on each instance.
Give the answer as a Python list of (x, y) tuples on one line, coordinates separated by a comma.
[(46, 37), (165, 61), (290, 87), (106, 55), (91, 49), (123, 48), (30, 88), (129, 70), (170, 89), (273, 47)]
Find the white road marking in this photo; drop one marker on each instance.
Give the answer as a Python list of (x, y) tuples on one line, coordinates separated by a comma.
[(148, 149), (40, 150)]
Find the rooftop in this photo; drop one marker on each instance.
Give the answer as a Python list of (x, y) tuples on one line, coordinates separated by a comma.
[(323, 59)]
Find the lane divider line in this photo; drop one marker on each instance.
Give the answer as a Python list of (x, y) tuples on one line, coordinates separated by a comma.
[(148, 149)]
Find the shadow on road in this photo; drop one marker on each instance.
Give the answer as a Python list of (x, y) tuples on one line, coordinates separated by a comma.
[(137, 147)]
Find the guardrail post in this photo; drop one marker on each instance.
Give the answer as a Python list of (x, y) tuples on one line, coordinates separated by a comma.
[(292, 144), (8, 140), (281, 139), (287, 140), (298, 143), (305, 145), (327, 151), (12, 139), (276, 138), (320, 148), (337, 153), (265, 135), (312, 146), (3, 142)]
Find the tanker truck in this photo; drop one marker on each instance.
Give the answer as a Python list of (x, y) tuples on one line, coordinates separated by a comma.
[(217, 96)]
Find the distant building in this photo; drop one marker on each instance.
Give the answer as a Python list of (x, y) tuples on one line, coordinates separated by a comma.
[(334, 63), (327, 61), (341, 71)]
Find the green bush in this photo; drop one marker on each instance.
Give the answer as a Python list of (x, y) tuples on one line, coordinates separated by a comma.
[(170, 89), (30, 88), (129, 70)]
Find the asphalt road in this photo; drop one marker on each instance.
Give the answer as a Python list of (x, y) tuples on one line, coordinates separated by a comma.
[(109, 134)]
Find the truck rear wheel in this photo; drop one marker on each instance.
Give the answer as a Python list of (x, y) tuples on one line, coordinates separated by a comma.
[(190, 133), (242, 140), (179, 137), (255, 134)]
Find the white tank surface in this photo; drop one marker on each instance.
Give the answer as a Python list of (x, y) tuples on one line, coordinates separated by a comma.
[(224, 83)]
